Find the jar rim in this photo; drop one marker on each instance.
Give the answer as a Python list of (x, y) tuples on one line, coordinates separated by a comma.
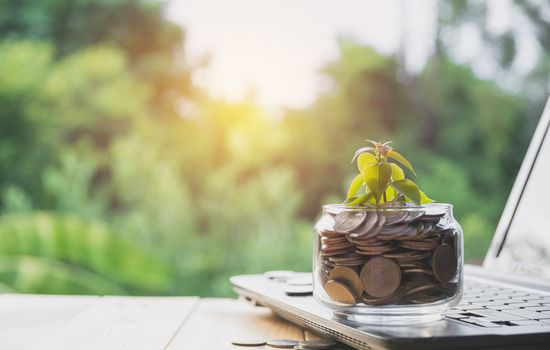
[(341, 206)]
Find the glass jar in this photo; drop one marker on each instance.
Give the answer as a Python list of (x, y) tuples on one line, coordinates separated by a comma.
[(388, 265)]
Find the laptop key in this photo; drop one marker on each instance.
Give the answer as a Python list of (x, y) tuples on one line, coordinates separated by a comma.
[(533, 298), (521, 303), (470, 307), (497, 315), (501, 298), (525, 305), (487, 303), (481, 322), (481, 300), (504, 307), (520, 295), (529, 314), (529, 323), (457, 317), (538, 308)]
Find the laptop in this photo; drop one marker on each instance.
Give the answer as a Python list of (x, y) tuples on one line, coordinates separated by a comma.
[(505, 304)]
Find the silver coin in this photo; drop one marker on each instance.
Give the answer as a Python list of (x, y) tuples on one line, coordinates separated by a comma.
[(283, 343), (281, 275), (300, 281), (248, 342), (319, 344), (295, 291)]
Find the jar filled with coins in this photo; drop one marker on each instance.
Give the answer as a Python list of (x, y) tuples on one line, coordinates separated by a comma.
[(388, 264)]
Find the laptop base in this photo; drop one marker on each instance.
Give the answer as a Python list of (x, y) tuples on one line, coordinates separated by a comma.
[(466, 326)]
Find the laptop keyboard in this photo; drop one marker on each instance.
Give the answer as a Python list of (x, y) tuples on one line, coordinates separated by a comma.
[(493, 306)]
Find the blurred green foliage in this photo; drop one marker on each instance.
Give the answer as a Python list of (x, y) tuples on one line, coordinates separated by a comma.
[(106, 188)]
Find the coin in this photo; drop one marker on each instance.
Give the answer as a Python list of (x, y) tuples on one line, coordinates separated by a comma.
[(376, 250), (380, 277), (337, 253), (407, 255), (420, 288), (298, 291), (349, 277), (414, 215), (397, 232), (248, 342), (395, 217), (426, 244), (424, 271), (339, 292), (347, 221), (283, 343), (431, 218), (390, 299), (300, 281), (330, 240), (378, 227), (348, 260), (366, 227), (336, 246), (282, 275), (331, 234), (317, 344), (444, 263)]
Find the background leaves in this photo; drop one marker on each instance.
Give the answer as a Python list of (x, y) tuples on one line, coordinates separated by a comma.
[(109, 185)]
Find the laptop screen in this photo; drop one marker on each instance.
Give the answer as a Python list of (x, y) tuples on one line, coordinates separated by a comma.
[(526, 248)]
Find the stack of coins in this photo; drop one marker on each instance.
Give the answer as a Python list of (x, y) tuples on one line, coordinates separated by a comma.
[(313, 344), (387, 257)]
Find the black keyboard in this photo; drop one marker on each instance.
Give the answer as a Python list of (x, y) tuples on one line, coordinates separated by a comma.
[(495, 306)]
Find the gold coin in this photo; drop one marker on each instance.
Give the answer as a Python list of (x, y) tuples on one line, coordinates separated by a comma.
[(380, 277), (393, 298), (420, 288), (339, 292), (444, 263), (426, 244), (349, 277), (348, 260), (407, 256)]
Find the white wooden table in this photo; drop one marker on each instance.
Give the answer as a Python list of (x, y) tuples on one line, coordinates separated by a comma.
[(93, 322)]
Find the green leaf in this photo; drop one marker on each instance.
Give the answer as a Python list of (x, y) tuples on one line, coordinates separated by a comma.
[(409, 189), (361, 199), (398, 157), (365, 159), (362, 150), (396, 172), (390, 194), (377, 176), (355, 185), (425, 199)]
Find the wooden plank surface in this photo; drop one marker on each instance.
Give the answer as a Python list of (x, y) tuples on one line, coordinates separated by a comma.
[(122, 323), (26, 319), (216, 322), (149, 323)]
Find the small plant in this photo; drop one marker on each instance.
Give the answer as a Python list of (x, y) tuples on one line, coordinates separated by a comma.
[(384, 182)]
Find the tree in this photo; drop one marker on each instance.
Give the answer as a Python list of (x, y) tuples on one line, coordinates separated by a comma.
[(137, 27)]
